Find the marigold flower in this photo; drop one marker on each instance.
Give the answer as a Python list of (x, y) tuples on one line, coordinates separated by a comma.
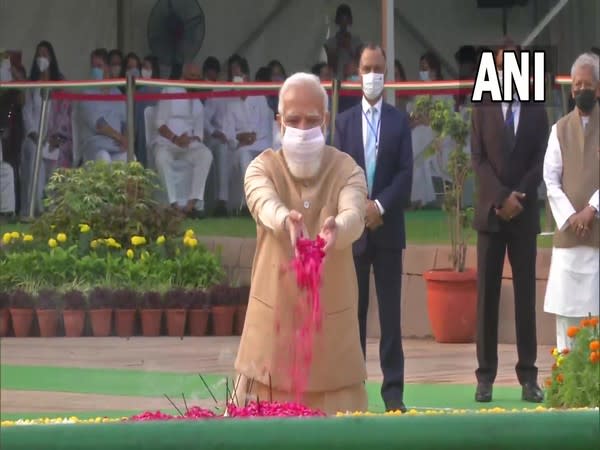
[(593, 321), (595, 345), (130, 253), (565, 351), (138, 240), (548, 382), (189, 233), (560, 378), (27, 237), (572, 331), (94, 244), (111, 242), (84, 228), (555, 352), (584, 323), (554, 366), (161, 240), (192, 242), (594, 357), (52, 243), (15, 235), (6, 238), (61, 237)]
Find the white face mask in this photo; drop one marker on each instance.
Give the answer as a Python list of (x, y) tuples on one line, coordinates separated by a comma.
[(43, 63), (303, 150), (115, 70), (424, 75), (372, 85), (238, 79), (146, 73), (5, 73)]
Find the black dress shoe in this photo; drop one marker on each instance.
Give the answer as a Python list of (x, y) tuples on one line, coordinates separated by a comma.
[(532, 392), (395, 406), (483, 393)]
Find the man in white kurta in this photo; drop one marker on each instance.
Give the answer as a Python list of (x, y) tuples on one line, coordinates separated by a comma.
[(571, 167), (179, 147), (7, 187)]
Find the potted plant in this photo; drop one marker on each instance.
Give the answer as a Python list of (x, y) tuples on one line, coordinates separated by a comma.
[(240, 313), (452, 290), (126, 303), (46, 312), (151, 313), (199, 312), (74, 313), (4, 314), (100, 311), (223, 300), (177, 303), (21, 312)]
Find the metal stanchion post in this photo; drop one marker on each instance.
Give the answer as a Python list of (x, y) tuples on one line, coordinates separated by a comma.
[(549, 220), (335, 88), (38, 151), (130, 118)]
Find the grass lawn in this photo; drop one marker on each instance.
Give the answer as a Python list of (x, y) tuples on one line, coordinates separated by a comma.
[(423, 227)]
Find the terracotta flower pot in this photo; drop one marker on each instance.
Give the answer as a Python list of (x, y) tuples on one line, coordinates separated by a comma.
[(4, 322), (22, 318), (222, 317), (74, 320), (176, 321), (124, 322), (101, 320), (198, 321), (48, 322), (240, 318), (151, 321), (452, 304)]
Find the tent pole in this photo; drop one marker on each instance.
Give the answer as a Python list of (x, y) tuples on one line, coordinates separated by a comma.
[(388, 44)]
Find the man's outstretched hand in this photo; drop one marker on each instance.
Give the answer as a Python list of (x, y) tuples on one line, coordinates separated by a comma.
[(294, 224), (329, 233)]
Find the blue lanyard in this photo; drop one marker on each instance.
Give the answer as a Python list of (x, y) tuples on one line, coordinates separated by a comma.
[(375, 132)]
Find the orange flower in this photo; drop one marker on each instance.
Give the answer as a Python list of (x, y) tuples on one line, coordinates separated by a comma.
[(560, 378), (565, 351), (584, 323), (594, 357), (572, 331), (595, 346), (554, 366), (548, 382), (593, 322)]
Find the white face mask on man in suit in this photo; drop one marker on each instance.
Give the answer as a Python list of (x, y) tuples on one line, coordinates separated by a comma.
[(372, 85)]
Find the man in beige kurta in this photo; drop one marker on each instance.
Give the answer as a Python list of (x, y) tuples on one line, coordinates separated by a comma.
[(304, 187)]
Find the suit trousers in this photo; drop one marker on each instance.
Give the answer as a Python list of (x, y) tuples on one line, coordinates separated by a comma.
[(387, 268), (522, 251)]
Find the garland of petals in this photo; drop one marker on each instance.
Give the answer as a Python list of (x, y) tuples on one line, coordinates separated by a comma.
[(442, 412)]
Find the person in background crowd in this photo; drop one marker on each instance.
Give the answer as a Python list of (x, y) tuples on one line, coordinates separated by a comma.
[(180, 125), (571, 106), (377, 136), (466, 59), (11, 119), (508, 141), (572, 181), (249, 120), (149, 69), (57, 145), (7, 189), (277, 186), (347, 101), (323, 71), (103, 132), (263, 74), (215, 110), (277, 70), (400, 75), (132, 65), (343, 47), (430, 67), (116, 63)]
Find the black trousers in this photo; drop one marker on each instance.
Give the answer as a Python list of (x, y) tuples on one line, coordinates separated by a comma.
[(522, 251), (387, 267)]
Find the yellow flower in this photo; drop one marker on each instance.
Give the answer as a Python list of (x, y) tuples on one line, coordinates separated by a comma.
[(189, 233), (94, 244), (111, 242), (130, 253), (555, 352), (191, 242), (52, 243), (160, 240), (27, 238), (52, 227), (15, 235), (84, 228), (559, 360), (138, 240), (6, 238), (144, 255), (61, 237)]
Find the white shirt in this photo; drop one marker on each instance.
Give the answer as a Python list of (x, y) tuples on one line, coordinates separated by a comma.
[(366, 106), (215, 110), (516, 110), (32, 110), (573, 279), (246, 116), (181, 116)]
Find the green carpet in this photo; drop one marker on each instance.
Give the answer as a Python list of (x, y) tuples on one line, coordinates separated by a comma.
[(156, 384)]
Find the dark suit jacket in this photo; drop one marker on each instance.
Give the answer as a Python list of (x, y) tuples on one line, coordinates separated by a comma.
[(498, 172), (393, 170)]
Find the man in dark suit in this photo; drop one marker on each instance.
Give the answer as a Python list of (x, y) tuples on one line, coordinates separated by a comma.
[(377, 136), (508, 142)]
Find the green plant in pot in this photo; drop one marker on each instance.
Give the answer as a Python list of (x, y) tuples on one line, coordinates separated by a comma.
[(4, 314), (451, 290), (22, 306), (224, 300), (177, 302), (47, 312), (126, 303), (100, 311), (74, 306), (151, 311), (199, 312)]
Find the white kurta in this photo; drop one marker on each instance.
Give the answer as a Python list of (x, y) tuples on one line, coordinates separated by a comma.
[(573, 281)]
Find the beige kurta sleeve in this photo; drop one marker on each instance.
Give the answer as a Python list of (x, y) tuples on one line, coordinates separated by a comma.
[(351, 206), (263, 201)]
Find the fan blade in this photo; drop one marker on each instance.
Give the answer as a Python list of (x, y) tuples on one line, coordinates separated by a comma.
[(193, 20)]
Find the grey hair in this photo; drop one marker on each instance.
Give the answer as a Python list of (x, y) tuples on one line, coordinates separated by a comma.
[(587, 60), (305, 79)]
